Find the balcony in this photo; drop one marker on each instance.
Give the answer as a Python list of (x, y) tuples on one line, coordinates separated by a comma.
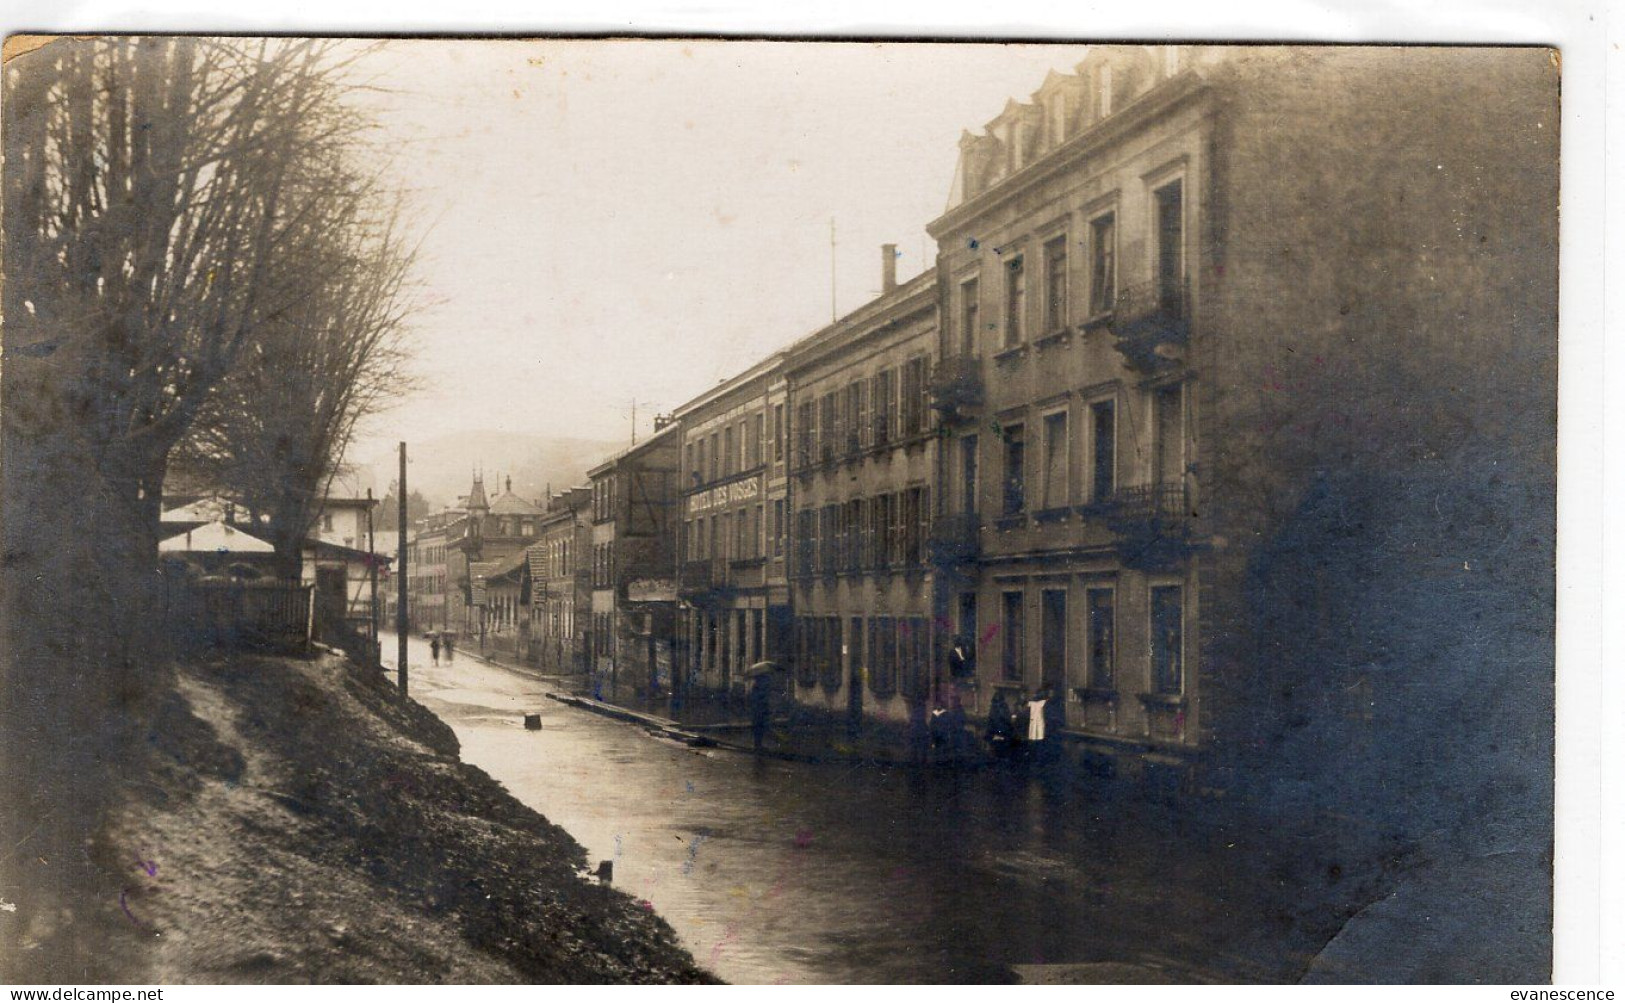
[(1152, 324), (956, 386), (1151, 521), (955, 539)]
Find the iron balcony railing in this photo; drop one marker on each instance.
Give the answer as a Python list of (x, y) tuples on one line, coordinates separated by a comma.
[(956, 384), (1152, 321), (1154, 508)]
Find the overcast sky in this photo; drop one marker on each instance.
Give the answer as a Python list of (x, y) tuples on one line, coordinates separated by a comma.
[(609, 221)]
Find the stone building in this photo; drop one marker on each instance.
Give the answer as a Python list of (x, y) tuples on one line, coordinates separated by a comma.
[(1183, 290), (733, 594), (560, 573), (490, 531), (634, 600), (862, 485)]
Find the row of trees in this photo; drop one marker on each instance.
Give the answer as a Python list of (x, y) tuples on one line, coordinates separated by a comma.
[(199, 268)]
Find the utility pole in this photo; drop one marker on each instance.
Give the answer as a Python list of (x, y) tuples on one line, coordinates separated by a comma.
[(833, 316), (372, 579), (400, 582)]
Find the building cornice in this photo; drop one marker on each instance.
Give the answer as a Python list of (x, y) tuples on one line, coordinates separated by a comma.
[(1156, 103), (912, 298)]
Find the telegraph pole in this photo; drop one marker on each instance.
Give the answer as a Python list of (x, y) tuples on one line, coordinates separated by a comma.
[(372, 578), (400, 580), (833, 316)]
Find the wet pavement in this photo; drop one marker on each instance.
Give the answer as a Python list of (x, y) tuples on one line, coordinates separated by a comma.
[(787, 872)]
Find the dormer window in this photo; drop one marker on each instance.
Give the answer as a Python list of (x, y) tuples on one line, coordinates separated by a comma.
[(1105, 89), (1057, 119)]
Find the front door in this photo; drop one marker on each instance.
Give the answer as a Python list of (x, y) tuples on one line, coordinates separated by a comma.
[(1053, 655)]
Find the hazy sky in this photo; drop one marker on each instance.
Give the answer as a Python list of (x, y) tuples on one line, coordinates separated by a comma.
[(606, 221)]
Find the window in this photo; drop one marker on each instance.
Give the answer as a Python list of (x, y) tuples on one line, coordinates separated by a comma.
[(1014, 630), (912, 525), (882, 518), (1052, 653), (883, 406), (962, 658), (826, 427), (804, 434), (1170, 236), (1055, 313), (968, 475), (1169, 439), (882, 654), (970, 311), (728, 453), (1015, 479), (1103, 415), (1167, 640), (716, 457), (852, 405), (753, 440), (327, 522), (913, 393), (1101, 642), (1055, 450), (1015, 303), (776, 542), (778, 433), (1102, 263)]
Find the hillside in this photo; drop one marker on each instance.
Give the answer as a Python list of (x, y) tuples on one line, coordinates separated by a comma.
[(304, 825)]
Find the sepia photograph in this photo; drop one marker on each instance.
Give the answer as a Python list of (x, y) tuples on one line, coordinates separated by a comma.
[(698, 510)]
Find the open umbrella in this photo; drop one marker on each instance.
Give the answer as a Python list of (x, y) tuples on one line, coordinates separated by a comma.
[(761, 669)]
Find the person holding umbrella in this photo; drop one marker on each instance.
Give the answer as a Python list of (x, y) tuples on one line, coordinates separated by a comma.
[(761, 701)]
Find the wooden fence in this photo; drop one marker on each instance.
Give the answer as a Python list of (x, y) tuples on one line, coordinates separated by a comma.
[(232, 614)]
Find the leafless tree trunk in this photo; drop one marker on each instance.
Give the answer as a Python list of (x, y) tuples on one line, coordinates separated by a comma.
[(150, 209)]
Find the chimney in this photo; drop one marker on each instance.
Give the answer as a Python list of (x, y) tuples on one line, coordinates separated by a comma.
[(507, 484), (888, 268)]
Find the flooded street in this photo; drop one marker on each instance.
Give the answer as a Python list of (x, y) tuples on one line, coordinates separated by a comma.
[(789, 872)]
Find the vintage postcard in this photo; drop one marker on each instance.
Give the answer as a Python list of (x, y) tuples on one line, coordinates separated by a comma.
[(687, 510)]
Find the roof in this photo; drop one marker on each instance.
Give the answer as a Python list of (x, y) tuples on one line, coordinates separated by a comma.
[(508, 503), (324, 547), (214, 538), (490, 571), (476, 495)]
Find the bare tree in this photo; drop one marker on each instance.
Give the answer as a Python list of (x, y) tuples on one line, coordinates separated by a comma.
[(154, 195), (276, 431)]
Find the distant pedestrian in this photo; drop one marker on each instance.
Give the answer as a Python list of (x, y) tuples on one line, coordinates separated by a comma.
[(434, 647), (761, 707), (448, 649), (954, 725), (1035, 715), (1001, 736)]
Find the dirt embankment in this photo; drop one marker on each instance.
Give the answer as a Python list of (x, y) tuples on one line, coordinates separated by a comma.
[(305, 825)]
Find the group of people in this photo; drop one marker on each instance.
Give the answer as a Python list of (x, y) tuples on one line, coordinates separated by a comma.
[(1032, 730), (438, 641)]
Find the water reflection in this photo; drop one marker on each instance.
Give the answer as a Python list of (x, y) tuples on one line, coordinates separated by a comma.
[(791, 872)]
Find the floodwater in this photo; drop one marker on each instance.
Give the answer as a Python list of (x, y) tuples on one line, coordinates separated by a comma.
[(776, 872)]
